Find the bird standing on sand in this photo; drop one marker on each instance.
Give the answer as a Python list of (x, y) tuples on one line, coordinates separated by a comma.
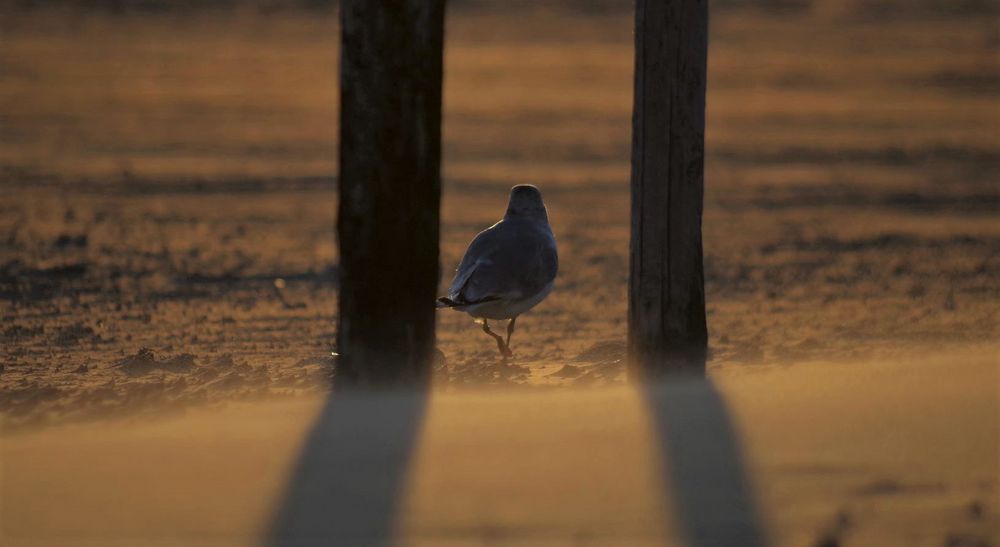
[(509, 267)]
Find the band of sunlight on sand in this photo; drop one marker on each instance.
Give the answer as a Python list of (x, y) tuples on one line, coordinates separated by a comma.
[(527, 467)]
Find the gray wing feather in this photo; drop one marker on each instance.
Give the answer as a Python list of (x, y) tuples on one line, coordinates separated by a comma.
[(507, 260)]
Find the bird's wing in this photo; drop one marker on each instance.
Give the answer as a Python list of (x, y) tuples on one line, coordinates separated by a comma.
[(509, 260), (478, 255)]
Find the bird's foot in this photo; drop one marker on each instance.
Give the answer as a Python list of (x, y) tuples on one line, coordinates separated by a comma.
[(504, 349)]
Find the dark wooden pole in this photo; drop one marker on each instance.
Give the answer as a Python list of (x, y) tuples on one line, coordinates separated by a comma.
[(390, 189), (667, 328)]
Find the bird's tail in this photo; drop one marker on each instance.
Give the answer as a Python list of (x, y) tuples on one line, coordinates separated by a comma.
[(445, 302)]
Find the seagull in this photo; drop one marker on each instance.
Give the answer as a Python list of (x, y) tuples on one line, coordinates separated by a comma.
[(508, 268)]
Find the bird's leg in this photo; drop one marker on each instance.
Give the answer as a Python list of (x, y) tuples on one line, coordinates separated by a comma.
[(504, 350), (510, 330)]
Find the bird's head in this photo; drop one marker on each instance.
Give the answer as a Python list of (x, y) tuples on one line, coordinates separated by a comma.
[(525, 202)]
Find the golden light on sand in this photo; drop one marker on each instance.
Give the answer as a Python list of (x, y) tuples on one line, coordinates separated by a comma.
[(169, 276), (821, 447)]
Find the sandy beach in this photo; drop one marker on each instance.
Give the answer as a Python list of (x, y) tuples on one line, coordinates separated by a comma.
[(871, 453), (168, 186), (168, 287)]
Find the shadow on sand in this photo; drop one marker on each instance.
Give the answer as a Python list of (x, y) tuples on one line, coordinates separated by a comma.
[(703, 463), (350, 477)]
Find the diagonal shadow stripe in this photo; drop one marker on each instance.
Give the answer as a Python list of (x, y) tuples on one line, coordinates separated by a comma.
[(703, 459), (347, 485)]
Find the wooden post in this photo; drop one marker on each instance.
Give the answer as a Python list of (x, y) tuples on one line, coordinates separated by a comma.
[(667, 328), (390, 189)]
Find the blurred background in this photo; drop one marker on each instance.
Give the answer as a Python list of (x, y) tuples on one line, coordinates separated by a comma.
[(168, 191)]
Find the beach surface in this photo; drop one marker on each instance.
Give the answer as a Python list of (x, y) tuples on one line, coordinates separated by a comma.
[(168, 196), (168, 286), (872, 453)]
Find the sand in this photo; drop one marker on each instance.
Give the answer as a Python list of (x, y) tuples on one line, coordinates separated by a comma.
[(871, 453), (167, 186), (168, 278)]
